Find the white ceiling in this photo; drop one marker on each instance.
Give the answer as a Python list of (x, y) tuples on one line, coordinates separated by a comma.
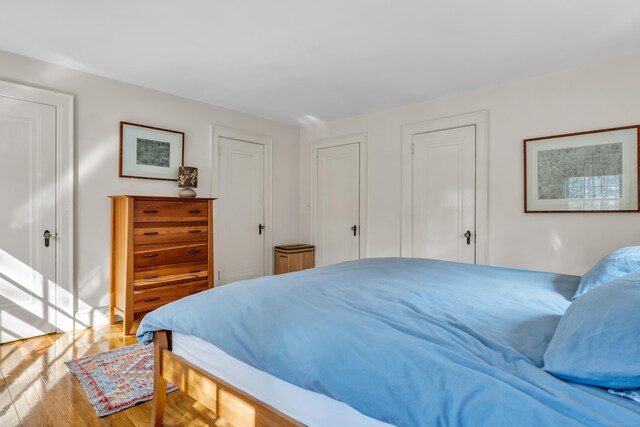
[(298, 61)]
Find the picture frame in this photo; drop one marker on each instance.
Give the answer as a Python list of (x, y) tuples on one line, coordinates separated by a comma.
[(588, 172), (149, 152)]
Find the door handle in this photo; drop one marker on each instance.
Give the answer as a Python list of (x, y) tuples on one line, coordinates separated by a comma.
[(260, 228), (468, 236), (354, 229), (47, 235)]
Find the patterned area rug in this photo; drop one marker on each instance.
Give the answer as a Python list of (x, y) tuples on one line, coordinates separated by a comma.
[(117, 379)]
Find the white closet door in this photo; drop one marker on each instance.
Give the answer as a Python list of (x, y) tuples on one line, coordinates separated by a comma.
[(443, 170), (338, 204), (27, 265), (240, 236)]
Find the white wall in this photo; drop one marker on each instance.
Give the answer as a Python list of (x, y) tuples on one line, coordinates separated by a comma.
[(590, 97), (100, 104), (586, 98)]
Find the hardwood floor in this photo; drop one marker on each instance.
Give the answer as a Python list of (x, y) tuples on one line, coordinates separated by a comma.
[(37, 389)]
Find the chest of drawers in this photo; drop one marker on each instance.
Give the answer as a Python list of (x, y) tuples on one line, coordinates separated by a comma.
[(161, 251)]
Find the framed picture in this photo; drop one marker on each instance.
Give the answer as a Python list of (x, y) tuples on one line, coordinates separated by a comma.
[(149, 152), (594, 171)]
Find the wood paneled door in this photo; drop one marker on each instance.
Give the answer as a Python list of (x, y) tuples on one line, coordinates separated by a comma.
[(241, 208), (443, 196), (27, 219), (337, 204)]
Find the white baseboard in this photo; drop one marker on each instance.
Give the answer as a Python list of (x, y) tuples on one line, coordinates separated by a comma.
[(87, 319)]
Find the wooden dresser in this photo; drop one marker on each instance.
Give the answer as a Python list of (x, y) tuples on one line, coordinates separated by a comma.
[(161, 251)]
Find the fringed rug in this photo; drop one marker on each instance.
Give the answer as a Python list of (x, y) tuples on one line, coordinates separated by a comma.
[(117, 379)]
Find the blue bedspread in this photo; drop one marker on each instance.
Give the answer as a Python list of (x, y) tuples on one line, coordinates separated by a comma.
[(412, 342)]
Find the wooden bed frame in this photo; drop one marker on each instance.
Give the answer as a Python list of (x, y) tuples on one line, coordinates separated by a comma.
[(237, 408)]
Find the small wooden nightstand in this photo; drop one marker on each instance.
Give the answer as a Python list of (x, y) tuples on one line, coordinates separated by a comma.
[(290, 258)]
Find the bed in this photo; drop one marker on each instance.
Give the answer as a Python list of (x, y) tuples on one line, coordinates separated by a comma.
[(388, 341)]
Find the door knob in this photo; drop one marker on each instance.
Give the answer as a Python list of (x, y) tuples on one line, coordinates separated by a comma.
[(354, 229), (468, 236), (260, 228), (47, 236)]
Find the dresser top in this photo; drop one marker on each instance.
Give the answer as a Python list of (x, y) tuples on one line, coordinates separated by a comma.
[(160, 198)]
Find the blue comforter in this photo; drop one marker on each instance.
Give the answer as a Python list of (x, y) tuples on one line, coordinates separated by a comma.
[(412, 342)]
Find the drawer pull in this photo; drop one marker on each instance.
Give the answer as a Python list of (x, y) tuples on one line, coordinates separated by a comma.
[(151, 277), (195, 291), (195, 231), (150, 255), (151, 211), (195, 211), (195, 271), (151, 233), (195, 251), (151, 299)]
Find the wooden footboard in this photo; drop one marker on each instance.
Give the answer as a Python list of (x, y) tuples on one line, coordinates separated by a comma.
[(236, 407)]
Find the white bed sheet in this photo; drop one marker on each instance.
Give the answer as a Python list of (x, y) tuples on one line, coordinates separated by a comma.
[(311, 408)]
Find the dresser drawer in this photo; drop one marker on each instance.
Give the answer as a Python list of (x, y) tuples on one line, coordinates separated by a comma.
[(150, 299), (156, 233), (149, 277), (160, 211), (150, 255)]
